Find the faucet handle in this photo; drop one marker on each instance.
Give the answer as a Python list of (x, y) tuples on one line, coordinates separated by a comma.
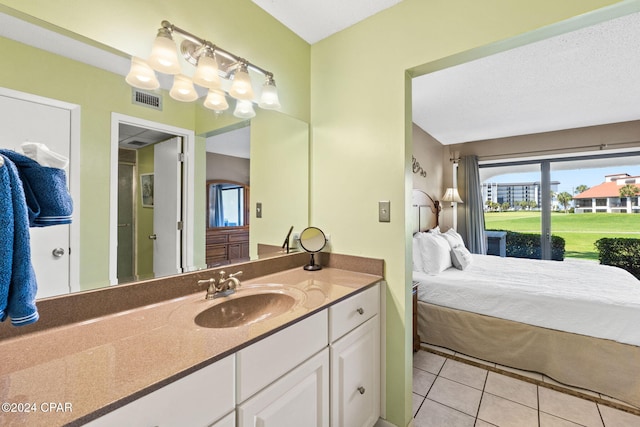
[(206, 282), (239, 273)]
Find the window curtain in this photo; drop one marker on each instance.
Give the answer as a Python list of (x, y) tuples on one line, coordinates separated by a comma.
[(216, 213), (474, 218)]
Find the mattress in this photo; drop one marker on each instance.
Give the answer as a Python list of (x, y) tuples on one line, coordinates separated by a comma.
[(575, 296)]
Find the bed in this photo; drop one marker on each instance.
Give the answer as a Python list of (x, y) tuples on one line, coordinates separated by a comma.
[(575, 321)]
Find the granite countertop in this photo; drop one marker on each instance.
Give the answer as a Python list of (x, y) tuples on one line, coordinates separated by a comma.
[(73, 373)]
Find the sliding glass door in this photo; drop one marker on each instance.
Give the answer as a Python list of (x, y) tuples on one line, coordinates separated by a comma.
[(568, 203)]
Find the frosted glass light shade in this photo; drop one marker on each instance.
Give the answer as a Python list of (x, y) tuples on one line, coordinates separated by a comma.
[(182, 89), (206, 74), (241, 87), (269, 98), (141, 75), (216, 100), (244, 109), (164, 54)]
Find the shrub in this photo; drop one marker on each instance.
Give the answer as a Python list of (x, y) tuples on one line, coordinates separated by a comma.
[(620, 252), (527, 245)]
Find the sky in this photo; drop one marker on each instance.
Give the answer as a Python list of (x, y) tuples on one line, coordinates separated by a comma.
[(570, 179)]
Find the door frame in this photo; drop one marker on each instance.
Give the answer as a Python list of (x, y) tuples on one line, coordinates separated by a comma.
[(188, 189), (73, 177)]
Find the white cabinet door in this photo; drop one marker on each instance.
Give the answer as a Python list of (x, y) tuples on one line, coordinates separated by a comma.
[(300, 398), (355, 377)]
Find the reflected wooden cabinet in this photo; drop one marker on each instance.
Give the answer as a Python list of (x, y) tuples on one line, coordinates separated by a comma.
[(227, 239), (227, 245)]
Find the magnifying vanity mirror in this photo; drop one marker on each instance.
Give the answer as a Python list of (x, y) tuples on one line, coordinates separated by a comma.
[(312, 240)]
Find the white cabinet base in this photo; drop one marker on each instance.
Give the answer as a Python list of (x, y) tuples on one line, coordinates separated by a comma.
[(355, 377), (300, 398)]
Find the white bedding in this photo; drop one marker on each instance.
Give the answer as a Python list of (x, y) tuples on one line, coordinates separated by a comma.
[(576, 296)]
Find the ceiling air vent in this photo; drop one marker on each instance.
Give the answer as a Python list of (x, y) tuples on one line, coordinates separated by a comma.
[(146, 99)]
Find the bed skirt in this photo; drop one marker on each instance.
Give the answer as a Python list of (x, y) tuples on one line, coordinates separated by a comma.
[(600, 365)]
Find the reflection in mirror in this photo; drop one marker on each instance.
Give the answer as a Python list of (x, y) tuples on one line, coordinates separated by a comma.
[(227, 203), (276, 139)]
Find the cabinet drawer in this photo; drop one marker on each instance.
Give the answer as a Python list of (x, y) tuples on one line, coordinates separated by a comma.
[(239, 237), (198, 399), (265, 361), (348, 314)]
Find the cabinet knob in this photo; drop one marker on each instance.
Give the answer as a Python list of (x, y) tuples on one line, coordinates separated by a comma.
[(361, 390), (360, 310)]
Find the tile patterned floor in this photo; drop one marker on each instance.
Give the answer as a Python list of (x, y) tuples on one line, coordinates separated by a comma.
[(452, 393)]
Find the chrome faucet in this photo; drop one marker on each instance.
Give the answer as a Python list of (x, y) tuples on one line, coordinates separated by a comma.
[(224, 287)]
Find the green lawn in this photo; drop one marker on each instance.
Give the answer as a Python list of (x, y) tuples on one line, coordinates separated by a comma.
[(580, 231)]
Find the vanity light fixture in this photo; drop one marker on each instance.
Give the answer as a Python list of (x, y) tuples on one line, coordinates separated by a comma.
[(218, 70)]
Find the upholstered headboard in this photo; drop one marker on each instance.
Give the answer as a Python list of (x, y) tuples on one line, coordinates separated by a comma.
[(425, 211)]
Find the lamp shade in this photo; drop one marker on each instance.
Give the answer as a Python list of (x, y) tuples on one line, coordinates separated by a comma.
[(241, 87), (206, 74), (244, 109), (216, 100), (452, 195), (164, 54), (182, 89), (141, 75), (269, 98)]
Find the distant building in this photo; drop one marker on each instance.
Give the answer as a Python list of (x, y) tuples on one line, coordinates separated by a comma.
[(514, 193), (605, 197)]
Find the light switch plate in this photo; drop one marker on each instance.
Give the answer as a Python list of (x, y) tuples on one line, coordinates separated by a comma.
[(259, 210), (384, 211)]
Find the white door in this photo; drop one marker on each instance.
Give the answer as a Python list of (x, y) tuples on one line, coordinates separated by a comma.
[(22, 121), (167, 209)]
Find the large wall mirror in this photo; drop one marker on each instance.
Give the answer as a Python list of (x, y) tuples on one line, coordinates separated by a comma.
[(92, 94)]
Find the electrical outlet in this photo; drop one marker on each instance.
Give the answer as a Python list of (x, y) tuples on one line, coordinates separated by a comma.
[(384, 211)]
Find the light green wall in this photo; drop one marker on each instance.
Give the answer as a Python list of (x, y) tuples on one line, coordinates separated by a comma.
[(281, 165), (361, 135)]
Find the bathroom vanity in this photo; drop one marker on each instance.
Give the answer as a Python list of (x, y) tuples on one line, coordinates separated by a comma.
[(315, 363)]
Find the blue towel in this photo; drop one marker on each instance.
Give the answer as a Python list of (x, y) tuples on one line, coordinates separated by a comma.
[(18, 286), (48, 199)]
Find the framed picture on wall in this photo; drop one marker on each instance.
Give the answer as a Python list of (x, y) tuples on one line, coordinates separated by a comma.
[(146, 189)]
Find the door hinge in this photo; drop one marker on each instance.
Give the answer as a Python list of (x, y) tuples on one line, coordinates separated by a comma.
[(180, 225), (181, 157)]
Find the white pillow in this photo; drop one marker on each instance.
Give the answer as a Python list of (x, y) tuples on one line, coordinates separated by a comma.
[(434, 230), (460, 257), (453, 237), (436, 253), (417, 252)]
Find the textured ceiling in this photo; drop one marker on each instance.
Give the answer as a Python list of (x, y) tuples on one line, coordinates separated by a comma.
[(314, 20), (587, 77)]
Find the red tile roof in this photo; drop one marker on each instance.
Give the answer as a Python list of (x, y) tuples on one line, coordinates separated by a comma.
[(606, 189)]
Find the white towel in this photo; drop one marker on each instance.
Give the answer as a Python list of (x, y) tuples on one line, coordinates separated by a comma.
[(43, 155)]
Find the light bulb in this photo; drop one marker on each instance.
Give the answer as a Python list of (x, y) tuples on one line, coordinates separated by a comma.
[(269, 98), (164, 53), (206, 74), (244, 109), (141, 75), (216, 100), (241, 87), (182, 89)]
